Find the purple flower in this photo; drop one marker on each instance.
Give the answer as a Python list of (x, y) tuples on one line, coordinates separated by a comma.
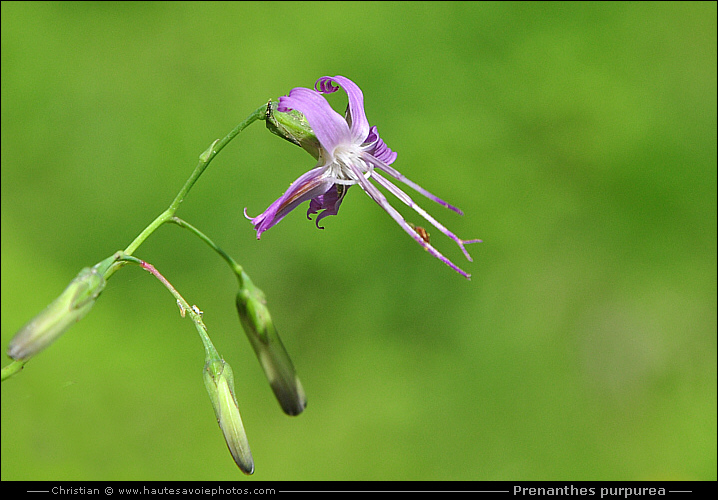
[(351, 152)]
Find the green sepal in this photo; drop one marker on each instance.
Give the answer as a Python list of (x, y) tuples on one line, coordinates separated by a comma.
[(70, 307), (294, 127), (219, 381), (271, 353)]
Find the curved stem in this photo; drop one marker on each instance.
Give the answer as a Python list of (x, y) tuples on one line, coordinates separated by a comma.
[(194, 313), (204, 160), (11, 369), (112, 264), (238, 270)]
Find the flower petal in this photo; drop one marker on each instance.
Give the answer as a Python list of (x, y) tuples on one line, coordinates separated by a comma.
[(358, 120), (306, 187), (406, 199), (376, 147), (328, 125), (381, 200), (382, 165), (329, 202)]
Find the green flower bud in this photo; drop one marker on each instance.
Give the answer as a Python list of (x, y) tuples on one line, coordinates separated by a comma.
[(70, 307), (273, 357), (294, 127), (219, 380)]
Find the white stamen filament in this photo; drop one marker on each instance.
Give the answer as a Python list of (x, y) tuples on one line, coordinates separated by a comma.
[(343, 157)]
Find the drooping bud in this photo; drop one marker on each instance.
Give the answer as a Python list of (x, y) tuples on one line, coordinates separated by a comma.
[(294, 127), (69, 308), (272, 355), (219, 380)]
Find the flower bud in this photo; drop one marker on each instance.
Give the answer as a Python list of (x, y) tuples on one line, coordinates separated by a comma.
[(275, 361), (70, 307), (219, 380), (294, 127)]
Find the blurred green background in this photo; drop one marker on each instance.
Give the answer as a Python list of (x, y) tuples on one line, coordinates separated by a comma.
[(579, 139)]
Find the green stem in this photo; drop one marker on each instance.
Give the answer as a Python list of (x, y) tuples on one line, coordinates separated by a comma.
[(204, 160), (111, 265), (236, 268), (11, 369), (192, 311)]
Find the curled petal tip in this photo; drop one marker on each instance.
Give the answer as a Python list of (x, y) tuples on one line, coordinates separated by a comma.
[(259, 231), (325, 85)]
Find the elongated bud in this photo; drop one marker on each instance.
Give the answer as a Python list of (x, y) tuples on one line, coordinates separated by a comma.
[(219, 380), (294, 127), (275, 361), (69, 308)]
